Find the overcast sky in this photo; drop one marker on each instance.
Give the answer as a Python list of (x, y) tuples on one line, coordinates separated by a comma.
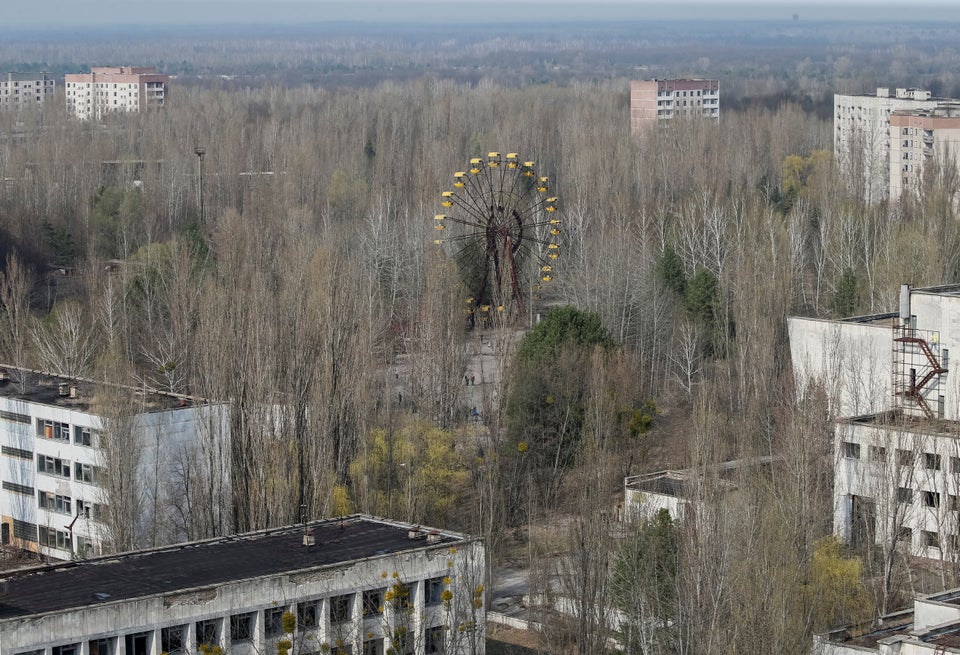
[(66, 13)]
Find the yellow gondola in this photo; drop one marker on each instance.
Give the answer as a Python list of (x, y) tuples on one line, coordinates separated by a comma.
[(494, 158), (439, 226), (484, 308), (439, 217), (547, 278), (555, 232), (438, 242), (475, 164), (447, 199), (546, 268), (554, 255), (543, 185), (553, 246), (458, 179), (512, 160), (550, 208), (554, 221)]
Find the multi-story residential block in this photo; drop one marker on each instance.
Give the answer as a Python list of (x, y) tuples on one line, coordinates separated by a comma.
[(351, 585), (897, 451), (19, 89), (861, 135), (658, 100), (121, 88), (920, 138), (56, 471), (931, 626)]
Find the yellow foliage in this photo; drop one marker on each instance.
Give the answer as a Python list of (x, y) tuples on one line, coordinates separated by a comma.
[(415, 470), (340, 501), (799, 174), (836, 591)]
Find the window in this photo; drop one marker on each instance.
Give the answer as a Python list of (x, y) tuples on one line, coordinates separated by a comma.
[(274, 621), (905, 535), (955, 464), (52, 538), (100, 647), (83, 436), (931, 499), (373, 647), (53, 466), (172, 639), (851, 450), (904, 457), (931, 539), (208, 632), (89, 510), (904, 495), (372, 602), (953, 503), (878, 453), (434, 591), (69, 649), (84, 547), (241, 627), (53, 430), (307, 615), (433, 640), (340, 608), (931, 461), (54, 502), (87, 473), (16, 452)]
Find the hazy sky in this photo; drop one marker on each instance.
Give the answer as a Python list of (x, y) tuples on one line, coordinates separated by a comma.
[(66, 13)]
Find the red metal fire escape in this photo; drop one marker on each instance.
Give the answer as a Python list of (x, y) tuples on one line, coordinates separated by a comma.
[(915, 368)]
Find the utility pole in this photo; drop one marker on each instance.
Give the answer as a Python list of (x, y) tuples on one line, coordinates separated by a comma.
[(200, 151)]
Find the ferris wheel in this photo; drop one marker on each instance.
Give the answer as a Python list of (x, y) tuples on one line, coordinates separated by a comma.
[(503, 230)]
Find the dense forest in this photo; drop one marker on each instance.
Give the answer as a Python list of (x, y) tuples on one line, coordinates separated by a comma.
[(310, 274)]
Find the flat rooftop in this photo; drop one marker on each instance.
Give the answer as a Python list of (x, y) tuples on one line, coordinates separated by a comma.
[(196, 565), (51, 389)]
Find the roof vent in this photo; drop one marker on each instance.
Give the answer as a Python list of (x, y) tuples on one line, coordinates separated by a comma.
[(414, 532), (433, 537), (309, 539), (63, 389)]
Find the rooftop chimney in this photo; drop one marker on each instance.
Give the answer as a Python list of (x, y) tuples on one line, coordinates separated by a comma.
[(904, 304), (309, 539)]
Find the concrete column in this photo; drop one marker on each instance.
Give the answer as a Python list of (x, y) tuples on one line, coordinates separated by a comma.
[(356, 623), (259, 632), (416, 616), (154, 642), (323, 621)]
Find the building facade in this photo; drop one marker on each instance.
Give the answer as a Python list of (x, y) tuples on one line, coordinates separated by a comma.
[(897, 443), (56, 471), (657, 100), (861, 135), (355, 585), (110, 89), (21, 89), (919, 139)]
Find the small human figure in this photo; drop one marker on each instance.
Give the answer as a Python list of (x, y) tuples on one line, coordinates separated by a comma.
[(472, 379), (399, 397)]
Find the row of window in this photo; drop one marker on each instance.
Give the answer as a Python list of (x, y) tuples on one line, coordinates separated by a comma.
[(64, 505), (931, 461), (61, 468), (82, 436), (173, 639)]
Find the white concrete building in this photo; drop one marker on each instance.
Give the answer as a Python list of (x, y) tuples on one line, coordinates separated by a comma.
[(659, 100), (118, 88), (931, 627), (350, 585), (861, 135), (21, 89), (53, 469), (897, 473)]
